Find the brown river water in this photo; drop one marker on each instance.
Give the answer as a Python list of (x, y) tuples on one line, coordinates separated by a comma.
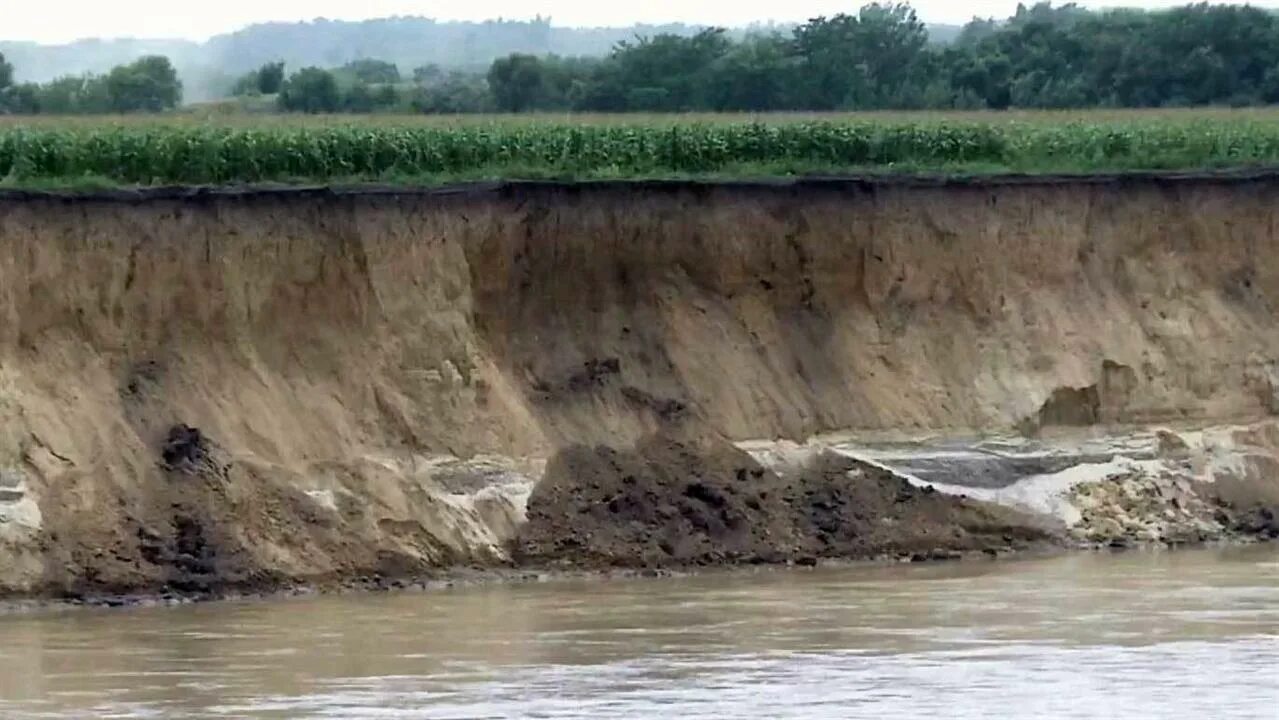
[(1146, 634)]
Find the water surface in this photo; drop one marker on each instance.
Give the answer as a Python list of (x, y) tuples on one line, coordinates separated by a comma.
[(1191, 634)]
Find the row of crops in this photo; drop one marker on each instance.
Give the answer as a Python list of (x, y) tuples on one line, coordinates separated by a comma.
[(180, 154)]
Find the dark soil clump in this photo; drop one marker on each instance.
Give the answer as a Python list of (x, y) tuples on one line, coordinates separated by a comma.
[(188, 451), (686, 499)]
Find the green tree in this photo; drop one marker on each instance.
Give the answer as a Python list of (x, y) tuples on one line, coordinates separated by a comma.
[(358, 99), (75, 94), (756, 74), (311, 90), (861, 61), (6, 73), (365, 98), (271, 78), (669, 72), (456, 92), (246, 84), (428, 75), (981, 79), (370, 71), (975, 31), (266, 80), (21, 99), (517, 82), (387, 97), (148, 85), (9, 102)]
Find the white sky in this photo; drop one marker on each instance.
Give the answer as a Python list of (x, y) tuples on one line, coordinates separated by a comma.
[(53, 21)]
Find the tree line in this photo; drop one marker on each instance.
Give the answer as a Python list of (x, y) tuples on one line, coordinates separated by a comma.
[(880, 57), (149, 84)]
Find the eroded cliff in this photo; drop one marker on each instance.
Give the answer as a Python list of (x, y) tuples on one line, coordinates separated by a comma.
[(242, 389)]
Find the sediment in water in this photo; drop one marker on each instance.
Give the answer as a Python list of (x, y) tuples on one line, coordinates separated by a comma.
[(203, 390)]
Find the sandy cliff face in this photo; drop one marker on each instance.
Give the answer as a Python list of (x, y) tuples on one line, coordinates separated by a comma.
[(791, 313), (376, 379)]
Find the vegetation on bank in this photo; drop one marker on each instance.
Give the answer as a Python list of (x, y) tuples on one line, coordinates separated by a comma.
[(879, 57), (176, 153)]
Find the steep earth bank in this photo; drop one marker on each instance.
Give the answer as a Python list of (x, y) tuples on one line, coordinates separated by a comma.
[(219, 390)]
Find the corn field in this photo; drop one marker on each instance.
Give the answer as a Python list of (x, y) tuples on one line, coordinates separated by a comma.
[(176, 153)]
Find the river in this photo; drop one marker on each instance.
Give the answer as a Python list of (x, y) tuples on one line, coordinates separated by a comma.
[(1144, 634)]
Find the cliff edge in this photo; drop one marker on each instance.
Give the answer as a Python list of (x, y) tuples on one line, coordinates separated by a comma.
[(218, 390)]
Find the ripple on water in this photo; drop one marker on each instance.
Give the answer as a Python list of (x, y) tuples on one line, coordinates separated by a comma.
[(1179, 635)]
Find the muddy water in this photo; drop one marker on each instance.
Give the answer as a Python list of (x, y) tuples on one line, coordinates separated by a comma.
[(1145, 634)]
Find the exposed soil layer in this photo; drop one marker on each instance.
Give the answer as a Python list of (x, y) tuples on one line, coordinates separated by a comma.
[(682, 498), (247, 388), (866, 181)]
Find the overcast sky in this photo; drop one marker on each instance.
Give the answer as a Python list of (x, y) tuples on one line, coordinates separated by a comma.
[(51, 21)]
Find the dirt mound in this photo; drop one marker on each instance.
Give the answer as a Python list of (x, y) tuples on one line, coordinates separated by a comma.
[(685, 499)]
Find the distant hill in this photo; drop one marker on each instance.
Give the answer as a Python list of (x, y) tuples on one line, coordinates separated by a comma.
[(208, 68)]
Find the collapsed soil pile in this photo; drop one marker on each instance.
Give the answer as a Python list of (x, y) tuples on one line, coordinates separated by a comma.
[(680, 498), (1140, 508)]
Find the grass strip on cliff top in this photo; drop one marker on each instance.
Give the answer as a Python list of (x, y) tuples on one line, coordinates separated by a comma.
[(80, 155)]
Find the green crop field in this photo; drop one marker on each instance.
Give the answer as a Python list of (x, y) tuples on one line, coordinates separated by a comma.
[(194, 149)]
